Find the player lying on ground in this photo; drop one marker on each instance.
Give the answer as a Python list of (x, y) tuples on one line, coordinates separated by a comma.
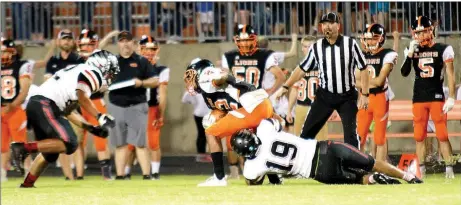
[(329, 162), (56, 99)]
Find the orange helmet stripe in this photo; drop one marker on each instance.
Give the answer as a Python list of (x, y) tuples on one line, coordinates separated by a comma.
[(419, 21)]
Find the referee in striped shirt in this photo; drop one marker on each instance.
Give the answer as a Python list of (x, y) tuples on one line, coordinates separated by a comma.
[(336, 56)]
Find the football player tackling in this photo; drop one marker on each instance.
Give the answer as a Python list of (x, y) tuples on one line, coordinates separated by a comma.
[(243, 105), (274, 151)]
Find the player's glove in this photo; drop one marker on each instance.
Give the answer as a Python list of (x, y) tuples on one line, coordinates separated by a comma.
[(412, 47), (96, 130), (448, 105), (106, 121)]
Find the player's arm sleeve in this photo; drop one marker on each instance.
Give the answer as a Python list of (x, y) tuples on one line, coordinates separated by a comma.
[(26, 69), (224, 63), (241, 86), (406, 66), (391, 58), (448, 54), (164, 76), (309, 62), (273, 60), (358, 56), (89, 81)]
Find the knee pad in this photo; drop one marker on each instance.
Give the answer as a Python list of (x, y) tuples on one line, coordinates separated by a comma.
[(71, 146), (50, 158)]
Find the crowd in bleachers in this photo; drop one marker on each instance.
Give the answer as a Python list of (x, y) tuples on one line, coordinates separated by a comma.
[(209, 22)]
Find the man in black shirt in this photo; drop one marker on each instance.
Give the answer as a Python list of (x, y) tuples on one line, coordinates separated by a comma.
[(129, 105)]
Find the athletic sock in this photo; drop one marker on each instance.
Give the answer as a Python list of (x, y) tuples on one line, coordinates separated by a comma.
[(155, 167), (30, 179), (371, 179), (31, 147), (105, 168), (218, 164), (127, 170), (408, 176)]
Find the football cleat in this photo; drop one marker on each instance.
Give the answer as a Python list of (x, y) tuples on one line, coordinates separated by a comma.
[(155, 176), (18, 155), (384, 179), (213, 181), (415, 180)]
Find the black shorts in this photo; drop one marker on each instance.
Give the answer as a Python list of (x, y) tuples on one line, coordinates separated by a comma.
[(47, 120), (340, 163)]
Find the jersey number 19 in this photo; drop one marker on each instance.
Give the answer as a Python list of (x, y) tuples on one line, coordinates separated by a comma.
[(283, 154)]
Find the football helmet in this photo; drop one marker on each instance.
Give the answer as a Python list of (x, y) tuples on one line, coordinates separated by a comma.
[(87, 42), (373, 38), (423, 30), (106, 62), (245, 143), (246, 40), (9, 51), (149, 48), (192, 72)]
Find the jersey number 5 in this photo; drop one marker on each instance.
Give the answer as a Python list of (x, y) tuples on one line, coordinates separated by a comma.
[(8, 87), (250, 75), (426, 70), (285, 152)]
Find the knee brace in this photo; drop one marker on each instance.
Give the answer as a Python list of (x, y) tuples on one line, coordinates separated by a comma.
[(50, 158)]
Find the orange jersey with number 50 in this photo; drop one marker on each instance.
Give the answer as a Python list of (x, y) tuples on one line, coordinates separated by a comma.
[(10, 79), (429, 65)]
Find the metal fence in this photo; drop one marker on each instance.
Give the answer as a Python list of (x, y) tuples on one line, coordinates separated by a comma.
[(191, 22)]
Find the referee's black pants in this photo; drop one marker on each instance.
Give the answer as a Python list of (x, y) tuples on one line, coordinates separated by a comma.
[(322, 108)]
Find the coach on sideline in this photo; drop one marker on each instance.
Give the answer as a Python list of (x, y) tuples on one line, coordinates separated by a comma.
[(129, 105), (336, 57)]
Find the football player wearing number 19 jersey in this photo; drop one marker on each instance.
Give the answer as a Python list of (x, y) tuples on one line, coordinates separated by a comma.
[(430, 60), (271, 151)]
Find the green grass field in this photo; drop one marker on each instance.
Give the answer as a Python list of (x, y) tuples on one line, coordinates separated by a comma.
[(183, 190)]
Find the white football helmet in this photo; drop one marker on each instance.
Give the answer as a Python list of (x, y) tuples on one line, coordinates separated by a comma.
[(106, 62)]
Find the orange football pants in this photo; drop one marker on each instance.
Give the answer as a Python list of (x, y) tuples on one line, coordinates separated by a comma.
[(153, 132), (14, 127), (100, 143), (421, 116), (378, 111), (230, 124)]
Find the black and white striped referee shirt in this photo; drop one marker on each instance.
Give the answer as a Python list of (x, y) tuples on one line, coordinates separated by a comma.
[(336, 63)]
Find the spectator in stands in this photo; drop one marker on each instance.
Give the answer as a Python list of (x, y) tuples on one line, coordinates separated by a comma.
[(305, 14), (359, 11), (380, 13), (281, 16), (322, 7), (200, 110), (262, 19), (243, 13), (205, 19)]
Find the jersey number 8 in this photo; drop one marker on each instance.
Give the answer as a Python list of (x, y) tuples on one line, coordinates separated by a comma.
[(8, 87), (285, 152), (250, 75)]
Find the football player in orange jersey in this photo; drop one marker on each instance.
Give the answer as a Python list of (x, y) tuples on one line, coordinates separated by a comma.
[(430, 61)]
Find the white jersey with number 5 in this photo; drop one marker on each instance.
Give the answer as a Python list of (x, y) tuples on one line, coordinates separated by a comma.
[(63, 85), (280, 152)]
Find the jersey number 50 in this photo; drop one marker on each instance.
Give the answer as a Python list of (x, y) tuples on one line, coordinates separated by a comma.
[(8, 87), (250, 75), (284, 153)]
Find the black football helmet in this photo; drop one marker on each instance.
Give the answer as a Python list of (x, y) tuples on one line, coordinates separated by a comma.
[(87, 37), (245, 143), (191, 76), (423, 30), (9, 51), (149, 48), (107, 63), (374, 32), (246, 40)]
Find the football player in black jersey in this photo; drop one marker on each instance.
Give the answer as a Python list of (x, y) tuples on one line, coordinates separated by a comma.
[(16, 80), (380, 62), (253, 65), (430, 60)]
